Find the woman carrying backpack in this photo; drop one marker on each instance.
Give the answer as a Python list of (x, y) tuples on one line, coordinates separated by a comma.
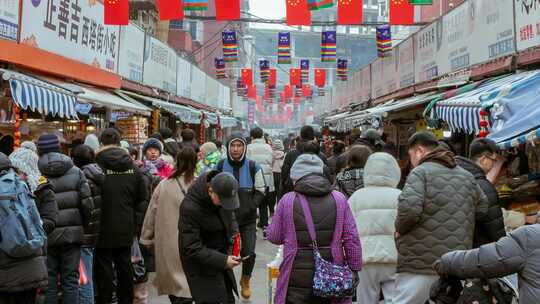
[(309, 220)]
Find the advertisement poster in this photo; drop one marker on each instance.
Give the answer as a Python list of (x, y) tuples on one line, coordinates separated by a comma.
[(9, 19), (74, 29), (493, 29), (377, 89), (458, 27), (198, 84), (405, 63), (428, 44), (131, 58), (527, 23), (183, 78), (159, 65)]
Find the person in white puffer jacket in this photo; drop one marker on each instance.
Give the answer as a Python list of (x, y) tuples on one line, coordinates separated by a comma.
[(375, 209)]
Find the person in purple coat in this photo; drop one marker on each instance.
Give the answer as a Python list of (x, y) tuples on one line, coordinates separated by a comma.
[(335, 230)]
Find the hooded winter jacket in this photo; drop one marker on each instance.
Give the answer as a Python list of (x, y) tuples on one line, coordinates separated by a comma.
[(261, 153), (95, 177), (251, 182), (73, 197), (22, 273), (124, 198), (375, 209), (350, 180), (290, 158), (206, 233), (492, 228), (519, 252), (437, 211)]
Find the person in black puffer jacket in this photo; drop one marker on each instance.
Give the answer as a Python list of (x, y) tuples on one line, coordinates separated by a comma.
[(352, 178), (75, 206), (84, 158), (483, 157), (20, 278)]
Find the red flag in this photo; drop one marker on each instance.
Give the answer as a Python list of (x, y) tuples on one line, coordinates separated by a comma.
[(320, 77), (272, 78), (306, 90), (298, 12), (288, 91), (258, 104), (170, 9), (349, 12), (227, 10), (247, 77), (294, 76), (252, 92), (401, 12), (116, 12)]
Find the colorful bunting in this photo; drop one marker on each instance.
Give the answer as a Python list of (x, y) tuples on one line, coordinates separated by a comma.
[(294, 77), (319, 4), (264, 69), (252, 92), (328, 46), (401, 12), (320, 91), (287, 90), (298, 91), (195, 5), (247, 77), (230, 46), (170, 9), (298, 12), (421, 2), (349, 12), (342, 69), (284, 48), (116, 12), (251, 112), (304, 70), (220, 68), (384, 40), (227, 10), (320, 78)]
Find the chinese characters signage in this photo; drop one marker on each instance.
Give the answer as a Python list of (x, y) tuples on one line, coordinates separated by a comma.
[(71, 28), (130, 61), (159, 65), (9, 19), (527, 23)]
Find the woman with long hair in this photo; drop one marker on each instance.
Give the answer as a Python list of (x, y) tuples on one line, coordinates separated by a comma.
[(160, 228)]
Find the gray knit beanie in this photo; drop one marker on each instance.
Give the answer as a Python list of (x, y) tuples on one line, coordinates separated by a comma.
[(306, 164)]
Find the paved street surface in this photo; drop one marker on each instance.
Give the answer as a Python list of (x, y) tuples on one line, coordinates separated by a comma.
[(265, 253)]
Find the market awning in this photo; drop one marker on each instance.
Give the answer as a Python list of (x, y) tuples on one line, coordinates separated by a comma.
[(184, 113), (462, 111), (112, 101), (212, 118), (228, 122), (37, 95)]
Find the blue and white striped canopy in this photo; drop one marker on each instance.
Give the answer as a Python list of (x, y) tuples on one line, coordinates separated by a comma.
[(32, 94), (460, 118)]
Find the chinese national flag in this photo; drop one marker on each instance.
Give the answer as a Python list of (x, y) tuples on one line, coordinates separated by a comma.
[(298, 12), (252, 92), (247, 77), (287, 90), (170, 9), (306, 90), (116, 12), (349, 12), (320, 77), (294, 76), (272, 78), (227, 10), (401, 12)]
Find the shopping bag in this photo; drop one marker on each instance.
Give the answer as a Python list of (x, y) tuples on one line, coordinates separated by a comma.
[(83, 279)]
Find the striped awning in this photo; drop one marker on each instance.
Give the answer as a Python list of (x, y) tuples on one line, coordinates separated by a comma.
[(460, 118), (33, 94)]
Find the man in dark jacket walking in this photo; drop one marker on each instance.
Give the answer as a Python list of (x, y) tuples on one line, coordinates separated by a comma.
[(75, 208), (251, 192), (437, 211), (484, 156), (124, 197), (206, 231)]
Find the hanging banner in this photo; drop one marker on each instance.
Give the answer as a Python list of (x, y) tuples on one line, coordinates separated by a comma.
[(247, 77), (384, 40), (328, 46), (320, 78), (131, 54), (230, 46), (219, 64), (264, 70), (405, 63), (342, 69), (272, 78), (319, 4), (73, 29), (284, 48), (251, 111), (9, 19), (304, 70), (159, 65), (527, 24), (195, 5)]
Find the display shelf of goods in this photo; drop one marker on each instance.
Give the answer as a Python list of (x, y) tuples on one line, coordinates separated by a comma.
[(134, 129)]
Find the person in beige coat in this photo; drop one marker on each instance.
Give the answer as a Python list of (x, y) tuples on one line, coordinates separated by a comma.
[(160, 228)]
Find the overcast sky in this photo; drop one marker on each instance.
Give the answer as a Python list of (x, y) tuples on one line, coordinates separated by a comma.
[(267, 9)]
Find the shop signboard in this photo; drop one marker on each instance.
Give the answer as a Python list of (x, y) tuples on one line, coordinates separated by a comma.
[(376, 78), (198, 85), (159, 65), (212, 87), (131, 54), (183, 78), (9, 19), (527, 23), (427, 45), (389, 73), (74, 29), (405, 63)]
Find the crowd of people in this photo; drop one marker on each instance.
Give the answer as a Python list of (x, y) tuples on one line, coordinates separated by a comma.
[(88, 226)]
